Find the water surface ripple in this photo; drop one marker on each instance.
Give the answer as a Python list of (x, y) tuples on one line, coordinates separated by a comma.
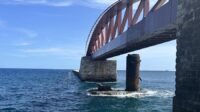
[(29, 90)]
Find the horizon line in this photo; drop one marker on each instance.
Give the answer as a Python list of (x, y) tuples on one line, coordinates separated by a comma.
[(77, 69)]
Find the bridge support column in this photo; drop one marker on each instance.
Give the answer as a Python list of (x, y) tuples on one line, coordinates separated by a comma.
[(187, 95), (98, 71), (133, 72)]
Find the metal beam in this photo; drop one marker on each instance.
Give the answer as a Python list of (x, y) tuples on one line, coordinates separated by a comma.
[(148, 32)]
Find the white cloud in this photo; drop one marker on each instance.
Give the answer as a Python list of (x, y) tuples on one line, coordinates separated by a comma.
[(102, 4), (60, 3), (55, 51), (23, 44), (38, 2), (5, 27), (45, 50), (25, 31)]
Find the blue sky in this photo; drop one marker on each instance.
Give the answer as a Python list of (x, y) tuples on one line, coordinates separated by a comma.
[(52, 34)]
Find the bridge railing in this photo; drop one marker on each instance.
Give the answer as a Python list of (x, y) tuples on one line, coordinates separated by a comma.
[(117, 19)]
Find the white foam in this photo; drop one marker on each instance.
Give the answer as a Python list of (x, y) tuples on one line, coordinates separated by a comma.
[(102, 83), (166, 93), (141, 94)]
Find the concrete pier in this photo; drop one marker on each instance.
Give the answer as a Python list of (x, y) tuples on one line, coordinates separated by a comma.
[(187, 95), (133, 72), (98, 71)]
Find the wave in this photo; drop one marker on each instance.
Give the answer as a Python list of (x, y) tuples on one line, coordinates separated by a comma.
[(120, 93), (100, 82), (9, 109)]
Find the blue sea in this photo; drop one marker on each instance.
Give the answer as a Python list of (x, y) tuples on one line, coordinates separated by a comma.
[(35, 90)]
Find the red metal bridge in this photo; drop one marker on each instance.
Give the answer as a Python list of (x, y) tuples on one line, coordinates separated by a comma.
[(130, 25)]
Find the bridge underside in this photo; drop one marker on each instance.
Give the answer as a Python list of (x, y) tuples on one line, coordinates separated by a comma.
[(152, 30), (128, 44)]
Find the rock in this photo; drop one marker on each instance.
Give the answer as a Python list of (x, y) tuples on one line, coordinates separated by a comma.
[(104, 87)]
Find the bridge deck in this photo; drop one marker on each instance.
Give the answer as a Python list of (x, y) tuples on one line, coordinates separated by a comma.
[(156, 28)]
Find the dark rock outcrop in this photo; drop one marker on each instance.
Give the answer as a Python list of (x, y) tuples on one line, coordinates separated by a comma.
[(104, 87)]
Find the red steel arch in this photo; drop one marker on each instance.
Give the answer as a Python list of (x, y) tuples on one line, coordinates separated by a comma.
[(111, 23)]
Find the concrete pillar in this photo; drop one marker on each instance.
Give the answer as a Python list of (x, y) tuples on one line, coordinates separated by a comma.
[(98, 71), (187, 95), (133, 72)]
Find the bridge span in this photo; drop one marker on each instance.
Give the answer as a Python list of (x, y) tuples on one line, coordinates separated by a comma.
[(123, 28)]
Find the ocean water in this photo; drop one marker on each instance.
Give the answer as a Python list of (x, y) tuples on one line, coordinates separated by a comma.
[(30, 90)]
